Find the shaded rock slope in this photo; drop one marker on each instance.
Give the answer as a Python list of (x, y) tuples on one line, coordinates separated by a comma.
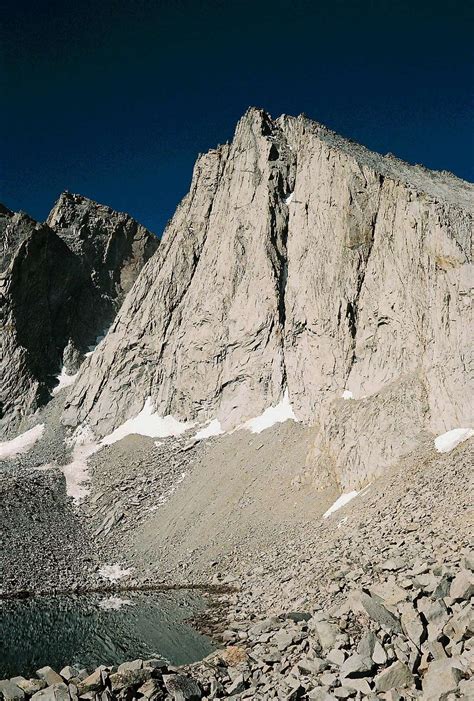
[(301, 262), (111, 246), (54, 301)]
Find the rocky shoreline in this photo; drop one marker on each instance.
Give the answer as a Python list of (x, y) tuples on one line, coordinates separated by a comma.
[(410, 637)]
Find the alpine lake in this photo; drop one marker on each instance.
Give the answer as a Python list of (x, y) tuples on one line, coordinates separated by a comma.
[(87, 630)]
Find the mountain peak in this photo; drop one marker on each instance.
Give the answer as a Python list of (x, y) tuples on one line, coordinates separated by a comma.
[(300, 265)]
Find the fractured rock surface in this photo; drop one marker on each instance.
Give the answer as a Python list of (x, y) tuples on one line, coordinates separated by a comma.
[(39, 281), (111, 246)]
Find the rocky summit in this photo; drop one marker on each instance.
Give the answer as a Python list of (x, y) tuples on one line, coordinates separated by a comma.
[(279, 415)]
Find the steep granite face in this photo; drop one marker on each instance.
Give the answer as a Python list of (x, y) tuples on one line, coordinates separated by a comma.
[(201, 331), (56, 295), (299, 261)]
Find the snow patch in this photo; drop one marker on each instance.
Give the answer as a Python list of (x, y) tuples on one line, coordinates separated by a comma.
[(339, 503), (347, 394), (22, 443), (76, 472), (148, 423), (289, 198), (214, 428), (65, 380), (273, 415), (114, 572), (449, 440), (114, 603)]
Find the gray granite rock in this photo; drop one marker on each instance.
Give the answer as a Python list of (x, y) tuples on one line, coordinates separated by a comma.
[(397, 676)]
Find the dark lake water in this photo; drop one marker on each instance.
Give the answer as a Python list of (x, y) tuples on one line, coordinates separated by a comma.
[(92, 629)]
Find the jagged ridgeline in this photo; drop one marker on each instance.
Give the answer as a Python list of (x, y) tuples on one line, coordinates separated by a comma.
[(301, 262), (61, 284)]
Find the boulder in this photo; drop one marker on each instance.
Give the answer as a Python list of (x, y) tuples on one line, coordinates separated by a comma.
[(326, 632), (69, 672), (49, 675), (55, 692), (182, 688), (356, 665), (397, 676), (375, 610), (91, 683), (30, 686), (462, 586), (441, 679), (10, 691)]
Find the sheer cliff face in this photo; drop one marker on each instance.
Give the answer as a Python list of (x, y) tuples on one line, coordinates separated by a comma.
[(202, 330), (54, 297), (298, 260)]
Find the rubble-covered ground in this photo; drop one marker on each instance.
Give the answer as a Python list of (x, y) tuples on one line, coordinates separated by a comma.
[(372, 602)]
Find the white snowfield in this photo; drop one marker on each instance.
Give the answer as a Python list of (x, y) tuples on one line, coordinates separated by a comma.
[(213, 428), (347, 394), (339, 503), (273, 415), (76, 472), (114, 572), (22, 443), (449, 440), (289, 198), (65, 380), (280, 413), (148, 423)]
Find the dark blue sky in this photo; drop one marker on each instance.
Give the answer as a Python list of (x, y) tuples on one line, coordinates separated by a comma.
[(114, 100)]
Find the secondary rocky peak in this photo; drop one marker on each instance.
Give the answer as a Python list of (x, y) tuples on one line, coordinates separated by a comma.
[(15, 227), (61, 283), (112, 246), (40, 280)]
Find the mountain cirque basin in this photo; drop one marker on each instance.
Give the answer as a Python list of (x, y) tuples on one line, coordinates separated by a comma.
[(280, 409)]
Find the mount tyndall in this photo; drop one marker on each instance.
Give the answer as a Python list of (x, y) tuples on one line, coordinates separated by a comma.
[(276, 397)]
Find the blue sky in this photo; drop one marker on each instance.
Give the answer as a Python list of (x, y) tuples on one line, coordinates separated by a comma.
[(115, 99)]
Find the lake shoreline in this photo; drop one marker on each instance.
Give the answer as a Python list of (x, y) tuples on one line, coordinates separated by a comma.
[(216, 589), (109, 628)]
